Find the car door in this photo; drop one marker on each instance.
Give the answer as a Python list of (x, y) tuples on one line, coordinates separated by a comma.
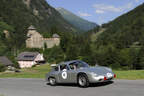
[(64, 74), (73, 72)]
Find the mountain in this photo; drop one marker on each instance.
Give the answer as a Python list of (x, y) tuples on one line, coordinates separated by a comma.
[(76, 20), (20, 14), (120, 43), (125, 30)]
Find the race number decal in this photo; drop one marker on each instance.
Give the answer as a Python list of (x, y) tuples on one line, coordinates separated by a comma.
[(64, 74)]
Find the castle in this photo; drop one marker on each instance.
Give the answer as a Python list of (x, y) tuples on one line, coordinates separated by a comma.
[(36, 40)]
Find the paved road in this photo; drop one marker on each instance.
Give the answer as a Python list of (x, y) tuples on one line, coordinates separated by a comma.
[(38, 87)]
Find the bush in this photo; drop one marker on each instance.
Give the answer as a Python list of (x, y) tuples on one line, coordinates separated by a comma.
[(2, 68), (16, 65), (34, 66)]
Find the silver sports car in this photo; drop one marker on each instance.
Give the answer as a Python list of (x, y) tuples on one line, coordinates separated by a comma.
[(78, 72)]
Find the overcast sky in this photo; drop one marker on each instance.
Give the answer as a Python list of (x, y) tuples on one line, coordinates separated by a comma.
[(99, 11)]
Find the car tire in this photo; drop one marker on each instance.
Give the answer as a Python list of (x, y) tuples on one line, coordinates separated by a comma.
[(83, 81), (52, 81)]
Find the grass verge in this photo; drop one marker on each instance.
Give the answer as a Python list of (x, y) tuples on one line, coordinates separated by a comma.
[(130, 74), (36, 72)]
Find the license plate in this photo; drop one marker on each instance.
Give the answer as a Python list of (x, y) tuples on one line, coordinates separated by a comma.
[(109, 75)]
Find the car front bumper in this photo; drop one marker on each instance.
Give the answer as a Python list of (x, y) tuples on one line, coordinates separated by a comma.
[(101, 78)]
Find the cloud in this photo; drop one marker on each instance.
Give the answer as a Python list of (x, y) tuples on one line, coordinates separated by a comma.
[(102, 8), (84, 14), (137, 1), (100, 11)]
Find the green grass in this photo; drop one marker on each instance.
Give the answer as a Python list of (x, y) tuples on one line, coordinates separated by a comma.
[(36, 72), (40, 71), (130, 74)]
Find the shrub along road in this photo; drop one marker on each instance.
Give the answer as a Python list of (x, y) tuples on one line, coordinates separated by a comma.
[(38, 87)]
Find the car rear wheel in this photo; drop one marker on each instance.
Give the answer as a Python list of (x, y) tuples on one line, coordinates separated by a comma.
[(83, 81), (52, 81)]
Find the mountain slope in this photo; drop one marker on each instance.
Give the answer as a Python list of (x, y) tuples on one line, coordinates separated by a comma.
[(125, 30), (22, 13), (76, 20), (121, 44)]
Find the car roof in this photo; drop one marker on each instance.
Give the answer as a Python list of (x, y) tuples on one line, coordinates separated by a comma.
[(68, 62)]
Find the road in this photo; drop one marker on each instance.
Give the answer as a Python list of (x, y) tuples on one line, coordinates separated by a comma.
[(38, 87)]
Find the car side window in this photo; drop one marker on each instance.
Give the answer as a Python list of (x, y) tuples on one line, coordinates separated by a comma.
[(63, 66), (56, 68), (73, 66)]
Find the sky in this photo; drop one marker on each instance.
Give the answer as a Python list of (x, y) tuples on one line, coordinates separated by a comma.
[(98, 11)]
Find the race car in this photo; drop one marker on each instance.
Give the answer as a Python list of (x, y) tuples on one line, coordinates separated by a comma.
[(78, 72)]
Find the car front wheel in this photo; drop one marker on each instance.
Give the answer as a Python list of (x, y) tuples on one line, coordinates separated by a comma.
[(52, 81), (83, 81)]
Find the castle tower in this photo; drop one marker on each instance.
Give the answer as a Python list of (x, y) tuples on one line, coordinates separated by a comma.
[(31, 30), (56, 36), (34, 38)]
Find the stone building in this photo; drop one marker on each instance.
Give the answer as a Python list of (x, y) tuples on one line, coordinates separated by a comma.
[(36, 40)]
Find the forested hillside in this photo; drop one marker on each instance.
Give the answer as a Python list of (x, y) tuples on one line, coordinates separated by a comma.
[(20, 14), (17, 15), (122, 43), (5, 43), (118, 44), (126, 29)]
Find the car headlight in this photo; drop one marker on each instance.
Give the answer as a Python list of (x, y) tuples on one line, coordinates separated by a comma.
[(109, 69), (94, 74)]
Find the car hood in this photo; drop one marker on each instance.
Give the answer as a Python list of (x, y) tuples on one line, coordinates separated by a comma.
[(98, 70)]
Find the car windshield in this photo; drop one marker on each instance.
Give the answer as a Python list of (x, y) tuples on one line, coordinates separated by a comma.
[(78, 64)]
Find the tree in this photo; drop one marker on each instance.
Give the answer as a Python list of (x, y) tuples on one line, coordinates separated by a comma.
[(2, 68), (54, 55)]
